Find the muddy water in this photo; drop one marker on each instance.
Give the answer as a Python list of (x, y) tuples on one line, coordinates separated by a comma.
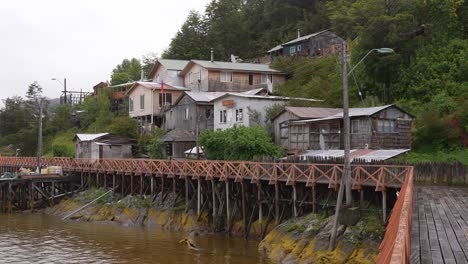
[(37, 238)]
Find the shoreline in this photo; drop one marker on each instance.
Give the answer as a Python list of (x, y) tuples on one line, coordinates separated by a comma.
[(301, 240)]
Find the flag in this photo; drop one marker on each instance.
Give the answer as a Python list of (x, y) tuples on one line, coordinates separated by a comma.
[(162, 87)]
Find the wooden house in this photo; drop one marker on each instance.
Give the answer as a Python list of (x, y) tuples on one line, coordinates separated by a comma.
[(317, 44), (290, 113), (383, 127), (103, 146), (168, 71), (217, 76), (147, 103)]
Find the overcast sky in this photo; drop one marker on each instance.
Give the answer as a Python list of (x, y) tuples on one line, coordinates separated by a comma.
[(81, 40)]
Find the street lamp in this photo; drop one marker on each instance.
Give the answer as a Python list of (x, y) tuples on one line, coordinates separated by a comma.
[(346, 178), (64, 84)]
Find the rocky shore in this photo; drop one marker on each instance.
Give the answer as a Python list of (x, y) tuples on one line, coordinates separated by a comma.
[(301, 240)]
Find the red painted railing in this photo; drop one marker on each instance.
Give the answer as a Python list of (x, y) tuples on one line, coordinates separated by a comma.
[(380, 176), (395, 248)]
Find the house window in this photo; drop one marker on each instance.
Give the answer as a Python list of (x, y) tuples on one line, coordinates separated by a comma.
[(386, 126), (239, 115), (266, 77), (167, 99), (226, 76), (359, 126), (299, 48), (222, 116), (130, 104), (292, 50), (142, 101), (186, 116), (250, 78)]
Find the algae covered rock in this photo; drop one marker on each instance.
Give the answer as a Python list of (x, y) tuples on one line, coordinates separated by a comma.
[(306, 239)]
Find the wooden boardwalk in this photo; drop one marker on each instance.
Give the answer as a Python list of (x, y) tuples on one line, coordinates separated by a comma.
[(439, 230)]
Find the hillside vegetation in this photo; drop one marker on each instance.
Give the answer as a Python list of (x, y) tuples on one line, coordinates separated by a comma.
[(427, 74)]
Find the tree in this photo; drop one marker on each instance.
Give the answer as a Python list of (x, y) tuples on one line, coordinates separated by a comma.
[(190, 41), (127, 71), (13, 117), (238, 143), (155, 145), (124, 126)]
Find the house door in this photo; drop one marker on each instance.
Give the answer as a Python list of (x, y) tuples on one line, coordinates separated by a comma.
[(323, 138), (101, 151)]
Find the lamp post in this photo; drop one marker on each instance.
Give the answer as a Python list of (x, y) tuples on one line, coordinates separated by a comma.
[(64, 84), (346, 180)]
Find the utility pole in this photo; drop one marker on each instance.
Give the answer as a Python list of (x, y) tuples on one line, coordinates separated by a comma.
[(346, 127), (39, 135), (65, 90), (345, 182)]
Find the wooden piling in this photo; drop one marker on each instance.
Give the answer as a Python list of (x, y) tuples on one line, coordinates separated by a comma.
[(198, 196), (277, 203), (314, 198), (294, 198), (384, 206), (244, 218), (259, 201), (228, 209)]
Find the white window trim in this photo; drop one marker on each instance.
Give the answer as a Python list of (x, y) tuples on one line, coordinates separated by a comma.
[(225, 74)]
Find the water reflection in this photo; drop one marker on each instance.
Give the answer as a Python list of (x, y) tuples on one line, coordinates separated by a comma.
[(36, 238)]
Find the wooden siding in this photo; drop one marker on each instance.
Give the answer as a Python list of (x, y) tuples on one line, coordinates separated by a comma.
[(240, 82), (200, 115), (323, 44), (365, 133), (281, 135)]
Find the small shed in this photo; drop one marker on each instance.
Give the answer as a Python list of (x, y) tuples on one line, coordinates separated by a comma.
[(103, 146), (177, 141)]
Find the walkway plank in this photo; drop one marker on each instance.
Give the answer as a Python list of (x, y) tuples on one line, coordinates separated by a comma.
[(439, 229)]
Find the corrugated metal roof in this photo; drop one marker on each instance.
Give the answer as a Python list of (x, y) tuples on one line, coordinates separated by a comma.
[(364, 111), (255, 91), (353, 112), (236, 66), (204, 96), (268, 97), (313, 112), (177, 65), (179, 135), (90, 137), (275, 48), (155, 85), (365, 154), (304, 37)]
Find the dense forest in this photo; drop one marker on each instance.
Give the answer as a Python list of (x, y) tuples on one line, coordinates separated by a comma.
[(427, 74)]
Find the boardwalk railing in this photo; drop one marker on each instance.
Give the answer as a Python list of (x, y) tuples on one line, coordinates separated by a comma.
[(395, 248), (380, 176)]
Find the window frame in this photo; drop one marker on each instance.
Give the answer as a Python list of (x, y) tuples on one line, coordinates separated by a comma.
[(222, 116), (186, 113), (130, 104), (239, 115), (142, 102), (226, 77)]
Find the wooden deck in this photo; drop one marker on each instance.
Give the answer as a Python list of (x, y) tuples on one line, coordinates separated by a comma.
[(439, 230)]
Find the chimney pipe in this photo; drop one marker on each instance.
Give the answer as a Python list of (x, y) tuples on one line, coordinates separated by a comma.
[(142, 74), (212, 54), (298, 33)]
